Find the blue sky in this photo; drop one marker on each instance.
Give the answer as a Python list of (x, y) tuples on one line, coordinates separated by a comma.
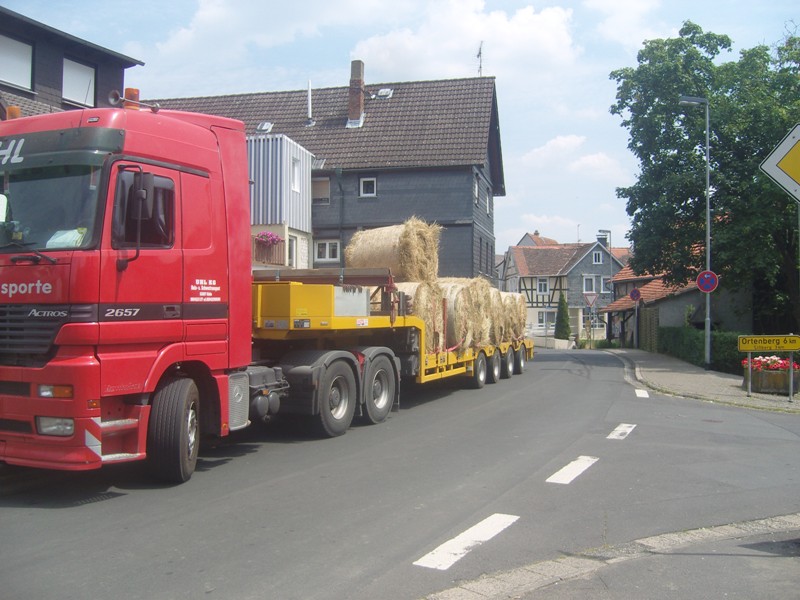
[(564, 153)]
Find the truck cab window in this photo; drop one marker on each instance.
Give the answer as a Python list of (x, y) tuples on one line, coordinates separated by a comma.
[(157, 223)]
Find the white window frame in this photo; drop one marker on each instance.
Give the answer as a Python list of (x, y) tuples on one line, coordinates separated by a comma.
[(291, 249), (367, 180), (605, 284), (489, 201), (597, 257), (79, 83), (588, 284), (16, 68), (542, 289), (328, 246), (476, 190), (295, 174)]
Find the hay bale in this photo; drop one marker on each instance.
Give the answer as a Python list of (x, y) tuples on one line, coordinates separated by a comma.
[(426, 303), (459, 315), (410, 250), (477, 297), (515, 316), (497, 314)]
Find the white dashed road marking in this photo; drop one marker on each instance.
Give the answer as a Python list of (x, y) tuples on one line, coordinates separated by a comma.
[(621, 432), (446, 555), (642, 394), (572, 470)]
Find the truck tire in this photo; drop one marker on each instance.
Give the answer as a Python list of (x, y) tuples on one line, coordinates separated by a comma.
[(493, 376), (173, 432), (507, 369), (337, 399), (520, 359), (479, 372), (380, 389)]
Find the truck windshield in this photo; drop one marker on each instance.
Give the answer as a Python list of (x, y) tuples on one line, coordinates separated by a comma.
[(48, 208)]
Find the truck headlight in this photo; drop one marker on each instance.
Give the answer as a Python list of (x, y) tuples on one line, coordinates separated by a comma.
[(55, 391), (59, 426)]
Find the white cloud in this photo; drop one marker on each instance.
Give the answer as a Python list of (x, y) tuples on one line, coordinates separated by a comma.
[(626, 22), (553, 151)]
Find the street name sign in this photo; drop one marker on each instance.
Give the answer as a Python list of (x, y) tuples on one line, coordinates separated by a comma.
[(769, 343), (783, 163)]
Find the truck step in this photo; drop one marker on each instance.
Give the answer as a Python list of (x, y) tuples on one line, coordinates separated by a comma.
[(122, 457), (110, 427)]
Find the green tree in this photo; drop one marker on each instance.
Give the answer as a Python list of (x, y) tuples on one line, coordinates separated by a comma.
[(753, 103), (562, 319)]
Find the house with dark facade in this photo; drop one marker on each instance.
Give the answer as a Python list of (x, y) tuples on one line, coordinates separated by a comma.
[(44, 70), (386, 152)]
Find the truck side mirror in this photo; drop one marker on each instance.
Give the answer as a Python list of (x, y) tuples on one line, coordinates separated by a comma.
[(143, 193)]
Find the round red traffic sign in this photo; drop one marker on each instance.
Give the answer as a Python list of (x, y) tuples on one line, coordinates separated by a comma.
[(707, 281), (636, 295)]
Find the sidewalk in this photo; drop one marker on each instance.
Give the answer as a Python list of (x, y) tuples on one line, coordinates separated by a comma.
[(672, 376)]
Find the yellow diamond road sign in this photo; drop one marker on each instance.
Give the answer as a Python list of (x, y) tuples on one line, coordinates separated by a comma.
[(783, 163)]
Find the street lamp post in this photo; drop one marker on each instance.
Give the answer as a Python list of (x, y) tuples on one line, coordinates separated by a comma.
[(698, 101)]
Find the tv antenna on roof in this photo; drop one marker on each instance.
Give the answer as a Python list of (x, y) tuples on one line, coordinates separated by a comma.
[(479, 56)]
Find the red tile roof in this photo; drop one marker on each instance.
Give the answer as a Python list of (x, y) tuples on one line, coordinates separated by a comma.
[(651, 291), (549, 260)]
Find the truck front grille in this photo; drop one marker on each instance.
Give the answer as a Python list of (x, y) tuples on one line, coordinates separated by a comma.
[(27, 332)]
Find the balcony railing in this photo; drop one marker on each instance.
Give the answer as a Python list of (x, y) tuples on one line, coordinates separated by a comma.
[(273, 254)]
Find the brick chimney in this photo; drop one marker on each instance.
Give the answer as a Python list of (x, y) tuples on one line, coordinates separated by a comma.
[(355, 101)]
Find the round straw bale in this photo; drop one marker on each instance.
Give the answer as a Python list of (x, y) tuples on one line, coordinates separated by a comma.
[(410, 250), (478, 298), (459, 317), (514, 317), (426, 303), (498, 319)]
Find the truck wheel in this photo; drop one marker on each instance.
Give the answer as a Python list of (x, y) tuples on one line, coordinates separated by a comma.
[(507, 369), (337, 399), (520, 358), (380, 389), (173, 432), (479, 372), (494, 367)]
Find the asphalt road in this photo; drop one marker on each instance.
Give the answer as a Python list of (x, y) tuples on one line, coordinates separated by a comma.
[(456, 482)]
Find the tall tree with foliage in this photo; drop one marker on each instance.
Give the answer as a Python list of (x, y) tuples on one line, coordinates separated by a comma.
[(562, 319), (753, 102)]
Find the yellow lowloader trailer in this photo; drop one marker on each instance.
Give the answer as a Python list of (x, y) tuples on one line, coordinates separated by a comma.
[(344, 338)]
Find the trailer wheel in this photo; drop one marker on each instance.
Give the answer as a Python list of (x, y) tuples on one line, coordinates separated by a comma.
[(173, 432), (494, 367), (520, 358), (507, 369), (479, 372), (337, 399), (380, 389)]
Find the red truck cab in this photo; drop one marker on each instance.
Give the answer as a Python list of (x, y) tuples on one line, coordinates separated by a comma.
[(125, 303)]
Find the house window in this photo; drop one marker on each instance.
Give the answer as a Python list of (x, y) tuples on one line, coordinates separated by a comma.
[(320, 191), (542, 285), (588, 284), (489, 202), (327, 250), (605, 285), (78, 84), (295, 175), (546, 318), (16, 67), (597, 258), (368, 187), (476, 190)]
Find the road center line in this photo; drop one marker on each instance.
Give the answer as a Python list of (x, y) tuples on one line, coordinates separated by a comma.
[(642, 394), (572, 470), (621, 432), (446, 555)]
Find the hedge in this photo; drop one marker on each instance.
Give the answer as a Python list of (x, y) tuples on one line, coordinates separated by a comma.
[(688, 344)]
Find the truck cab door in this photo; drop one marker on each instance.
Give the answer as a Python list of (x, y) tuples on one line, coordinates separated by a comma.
[(141, 272)]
